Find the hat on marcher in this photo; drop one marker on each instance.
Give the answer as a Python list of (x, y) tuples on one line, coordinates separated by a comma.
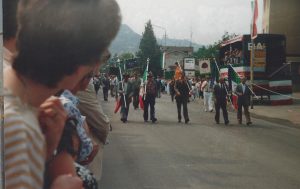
[(150, 74)]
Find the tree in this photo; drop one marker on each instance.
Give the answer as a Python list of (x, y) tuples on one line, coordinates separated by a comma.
[(211, 51), (126, 56), (149, 48)]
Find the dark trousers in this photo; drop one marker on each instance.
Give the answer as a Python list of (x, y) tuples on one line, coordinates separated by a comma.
[(105, 93), (124, 109), (246, 112), (112, 88), (172, 96), (135, 100), (149, 101), (183, 102), (97, 87), (218, 106)]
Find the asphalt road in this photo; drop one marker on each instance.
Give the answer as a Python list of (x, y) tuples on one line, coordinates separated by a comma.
[(198, 155)]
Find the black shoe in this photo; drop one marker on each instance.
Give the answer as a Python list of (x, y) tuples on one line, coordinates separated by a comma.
[(186, 121), (249, 123), (154, 120), (226, 122), (217, 122), (179, 121), (123, 120), (145, 121)]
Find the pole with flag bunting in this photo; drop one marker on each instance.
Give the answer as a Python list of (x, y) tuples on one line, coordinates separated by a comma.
[(145, 77), (122, 83), (253, 36), (216, 64)]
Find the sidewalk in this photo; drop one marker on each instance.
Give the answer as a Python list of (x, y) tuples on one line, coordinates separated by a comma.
[(287, 114), (280, 114)]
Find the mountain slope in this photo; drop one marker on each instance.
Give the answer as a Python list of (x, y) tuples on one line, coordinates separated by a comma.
[(128, 41)]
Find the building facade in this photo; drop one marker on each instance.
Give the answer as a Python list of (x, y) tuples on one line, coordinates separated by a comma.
[(172, 54)]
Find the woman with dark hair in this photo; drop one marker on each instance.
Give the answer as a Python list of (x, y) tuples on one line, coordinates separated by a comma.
[(52, 56)]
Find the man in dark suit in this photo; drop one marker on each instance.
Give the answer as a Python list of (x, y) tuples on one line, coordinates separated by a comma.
[(105, 86), (126, 92), (182, 90), (220, 99), (243, 92), (150, 92)]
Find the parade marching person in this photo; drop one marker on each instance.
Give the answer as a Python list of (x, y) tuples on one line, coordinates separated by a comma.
[(207, 91), (171, 89), (105, 86), (136, 83), (97, 83), (112, 85), (182, 90), (158, 87), (150, 92), (243, 92), (126, 92), (220, 99)]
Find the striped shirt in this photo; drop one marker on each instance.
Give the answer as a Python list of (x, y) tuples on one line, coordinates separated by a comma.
[(24, 154)]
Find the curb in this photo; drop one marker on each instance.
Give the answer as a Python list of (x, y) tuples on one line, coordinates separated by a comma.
[(283, 122)]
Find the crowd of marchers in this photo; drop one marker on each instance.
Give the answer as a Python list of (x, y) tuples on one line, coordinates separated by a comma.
[(214, 94)]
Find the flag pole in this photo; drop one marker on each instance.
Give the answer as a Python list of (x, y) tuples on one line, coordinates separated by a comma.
[(225, 86), (253, 36), (122, 83), (249, 88), (148, 59)]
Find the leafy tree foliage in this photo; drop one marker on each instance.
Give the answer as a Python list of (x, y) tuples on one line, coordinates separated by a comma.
[(149, 48), (126, 56), (211, 51)]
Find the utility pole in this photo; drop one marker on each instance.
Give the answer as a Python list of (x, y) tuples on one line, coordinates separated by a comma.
[(252, 61)]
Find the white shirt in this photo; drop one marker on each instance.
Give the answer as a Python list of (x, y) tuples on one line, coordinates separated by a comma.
[(244, 88)]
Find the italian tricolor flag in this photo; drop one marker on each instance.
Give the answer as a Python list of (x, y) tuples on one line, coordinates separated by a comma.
[(233, 80)]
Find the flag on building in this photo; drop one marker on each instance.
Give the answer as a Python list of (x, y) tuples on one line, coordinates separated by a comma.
[(204, 66), (254, 19), (233, 80)]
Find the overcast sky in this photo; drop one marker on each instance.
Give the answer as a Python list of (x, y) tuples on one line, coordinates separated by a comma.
[(205, 19)]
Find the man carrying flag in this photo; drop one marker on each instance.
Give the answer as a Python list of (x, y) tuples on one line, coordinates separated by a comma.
[(149, 92), (126, 92), (220, 94), (233, 81)]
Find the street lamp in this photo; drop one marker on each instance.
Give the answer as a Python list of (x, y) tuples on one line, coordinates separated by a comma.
[(165, 35)]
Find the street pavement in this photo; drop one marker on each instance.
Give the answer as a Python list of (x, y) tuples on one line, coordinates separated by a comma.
[(198, 155)]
